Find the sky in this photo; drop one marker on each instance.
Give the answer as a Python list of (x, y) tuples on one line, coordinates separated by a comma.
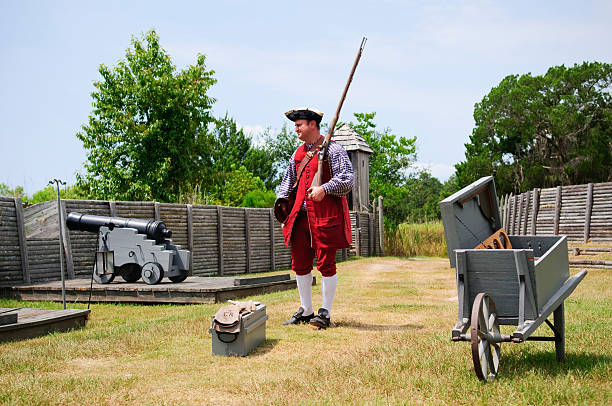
[(425, 65)]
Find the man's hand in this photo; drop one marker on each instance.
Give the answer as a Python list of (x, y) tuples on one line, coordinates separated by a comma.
[(316, 193)]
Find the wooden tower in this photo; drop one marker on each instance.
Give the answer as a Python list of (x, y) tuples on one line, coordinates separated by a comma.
[(359, 153)]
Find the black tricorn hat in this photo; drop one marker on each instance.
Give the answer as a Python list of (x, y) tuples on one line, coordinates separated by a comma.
[(304, 113)]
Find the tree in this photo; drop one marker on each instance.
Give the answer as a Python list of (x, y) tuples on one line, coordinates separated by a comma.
[(229, 147), (6, 191), (390, 162), (238, 184), (260, 162), (50, 193), (543, 131), (147, 137), (280, 148), (259, 198), (392, 156)]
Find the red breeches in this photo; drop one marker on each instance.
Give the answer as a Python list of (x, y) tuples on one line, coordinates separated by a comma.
[(302, 254)]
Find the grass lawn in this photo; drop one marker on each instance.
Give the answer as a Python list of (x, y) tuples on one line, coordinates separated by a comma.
[(390, 345)]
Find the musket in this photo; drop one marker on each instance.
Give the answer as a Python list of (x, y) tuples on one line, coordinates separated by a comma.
[(318, 178), (284, 205)]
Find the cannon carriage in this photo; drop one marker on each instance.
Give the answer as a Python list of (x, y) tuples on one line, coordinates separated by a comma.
[(133, 249), (515, 280)]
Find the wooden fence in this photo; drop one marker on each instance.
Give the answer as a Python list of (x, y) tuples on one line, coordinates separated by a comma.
[(582, 212), (223, 240)]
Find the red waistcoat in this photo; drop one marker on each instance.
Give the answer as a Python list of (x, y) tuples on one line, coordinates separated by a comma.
[(329, 220)]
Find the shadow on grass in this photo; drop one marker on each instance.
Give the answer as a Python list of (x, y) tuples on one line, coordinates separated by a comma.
[(376, 327), (545, 363), (265, 347)]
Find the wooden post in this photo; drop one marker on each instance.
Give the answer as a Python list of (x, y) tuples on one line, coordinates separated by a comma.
[(507, 215), (112, 208), (520, 214), (247, 240), (23, 243), (190, 237), (524, 231), (501, 211), (156, 208), (381, 225), (514, 215), (557, 210), (220, 237), (272, 250), (375, 240), (67, 245), (587, 214), (371, 233), (536, 209)]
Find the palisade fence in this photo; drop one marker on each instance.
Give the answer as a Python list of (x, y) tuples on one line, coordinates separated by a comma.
[(582, 212), (223, 240)]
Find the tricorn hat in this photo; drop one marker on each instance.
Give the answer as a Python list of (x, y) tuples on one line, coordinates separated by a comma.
[(304, 113)]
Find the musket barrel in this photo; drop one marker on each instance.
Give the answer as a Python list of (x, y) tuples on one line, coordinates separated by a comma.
[(318, 177)]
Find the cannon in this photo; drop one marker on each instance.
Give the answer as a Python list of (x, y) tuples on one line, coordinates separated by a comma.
[(132, 248)]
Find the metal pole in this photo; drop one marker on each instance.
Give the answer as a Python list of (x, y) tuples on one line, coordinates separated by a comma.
[(61, 237)]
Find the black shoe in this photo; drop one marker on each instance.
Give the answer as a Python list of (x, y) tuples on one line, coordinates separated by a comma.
[(298, 317), (321, 320)]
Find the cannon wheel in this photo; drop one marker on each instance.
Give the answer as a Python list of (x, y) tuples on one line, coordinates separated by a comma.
[(178, 278), (485, 354), (152, 273), (103, 278), (130, 272)]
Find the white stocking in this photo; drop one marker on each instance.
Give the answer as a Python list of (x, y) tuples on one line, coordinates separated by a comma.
[(328, 285), (304, 284)]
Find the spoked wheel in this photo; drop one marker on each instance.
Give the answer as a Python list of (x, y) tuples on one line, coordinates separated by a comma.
[(485, 353), (152, 273), (178, 278), (130, 272), (102, 278)]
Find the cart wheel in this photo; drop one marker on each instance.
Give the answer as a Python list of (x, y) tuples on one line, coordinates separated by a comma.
[(130, 272), (484, 324), (152, 273), (103, 278), (178, 278)]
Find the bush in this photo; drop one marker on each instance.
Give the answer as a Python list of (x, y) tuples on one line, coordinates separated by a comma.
[(416, 239), (259, 198)]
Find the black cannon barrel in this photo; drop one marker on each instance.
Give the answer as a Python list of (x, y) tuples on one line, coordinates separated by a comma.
[(154, 229)]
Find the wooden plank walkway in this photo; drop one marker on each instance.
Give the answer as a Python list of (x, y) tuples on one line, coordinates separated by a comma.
[(195, 289), (37, 322)]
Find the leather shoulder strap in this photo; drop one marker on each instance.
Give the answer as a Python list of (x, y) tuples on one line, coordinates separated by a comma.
[(307, 161)]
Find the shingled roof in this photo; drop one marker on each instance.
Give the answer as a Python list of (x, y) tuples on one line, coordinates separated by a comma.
[(350, 140)]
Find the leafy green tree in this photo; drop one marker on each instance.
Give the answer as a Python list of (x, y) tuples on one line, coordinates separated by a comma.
[(423, 198), (229, 147), (543, 131), (6, 191), (238, 184), (50, 193), (147, 135), (392, 155), (260, 162), (280, 147), (259, 198), (390, 163)]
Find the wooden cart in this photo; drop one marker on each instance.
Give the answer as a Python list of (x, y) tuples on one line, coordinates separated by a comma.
[(521, 286)]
